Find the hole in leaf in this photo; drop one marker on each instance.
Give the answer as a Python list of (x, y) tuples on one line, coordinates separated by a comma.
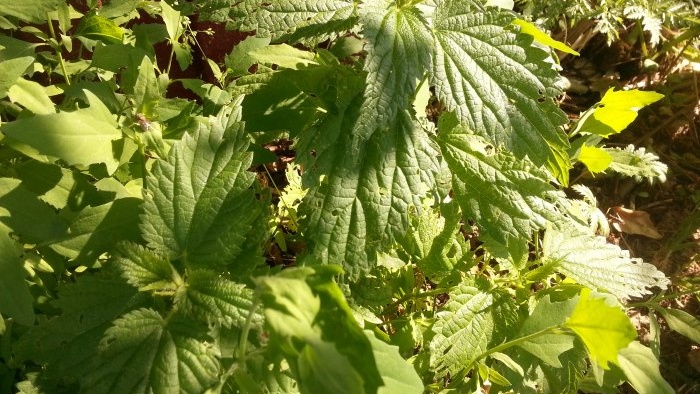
[(541, 99), (313, 153), (335, 212)]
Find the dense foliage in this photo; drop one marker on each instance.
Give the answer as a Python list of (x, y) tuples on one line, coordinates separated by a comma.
[(137, 229)]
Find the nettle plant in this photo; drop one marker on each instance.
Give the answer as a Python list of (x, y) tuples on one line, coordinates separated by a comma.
[(135, 230)]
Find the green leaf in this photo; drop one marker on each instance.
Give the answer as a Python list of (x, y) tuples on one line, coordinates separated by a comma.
[(399, 376), (435, 242), (11, 70), (595, 159), (31, 96), (682, 322), (68, 342), (146, 89), (15, 299), (295, 21), (506, 197), (144, 353), (642, 370), (312, 324), (398, 54), (283, 55), (615, 111), (200, 206), (472, 321), (95, 230), (240, 59), (173, 23), (81, 137), (97, 27), (497, 83), (29, 218), (547, 315), (210, 298), (33, 11), (146, 270), (594, 263), (603, 328), (542, 37), (361, 205)]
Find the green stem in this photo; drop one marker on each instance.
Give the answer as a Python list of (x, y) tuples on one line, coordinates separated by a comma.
[(58, 51), (550, 330), (243, 345)]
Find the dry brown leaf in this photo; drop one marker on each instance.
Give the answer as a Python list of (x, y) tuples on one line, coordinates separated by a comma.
[(634, 222)]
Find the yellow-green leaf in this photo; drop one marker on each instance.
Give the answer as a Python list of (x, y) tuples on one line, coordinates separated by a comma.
[(97, 27), (603, 328), (615, 111), (596, 159), (541, 37)]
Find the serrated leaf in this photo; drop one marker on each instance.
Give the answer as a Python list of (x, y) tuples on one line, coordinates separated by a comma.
[(682, 322), (81, 137), (398, 375), (199, 204), (471, 322), (15, 299), (95, 230), (642, 370), (637, 163), (144, 353), (398, 54), (32, 96), (146, 270), (434, 241), (594, 263), (615, 111), (362, 205), (506, 197), (295, 21), (68, 342), (97, 27), (497, 83), (210, 298), (603, 328), (547, 315)]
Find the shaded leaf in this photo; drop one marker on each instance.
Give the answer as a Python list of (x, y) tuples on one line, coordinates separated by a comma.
[(15, 299), (11, 70), (210, 298), (199, 204), (33, 11), (95, 230), (68, 342), (546, 315), (682, 322), (29, 218), (144, 353), (398, 375), (146, 270)]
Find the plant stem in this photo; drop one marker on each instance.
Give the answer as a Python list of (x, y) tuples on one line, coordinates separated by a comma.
[(57, 49), (243, 344)]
